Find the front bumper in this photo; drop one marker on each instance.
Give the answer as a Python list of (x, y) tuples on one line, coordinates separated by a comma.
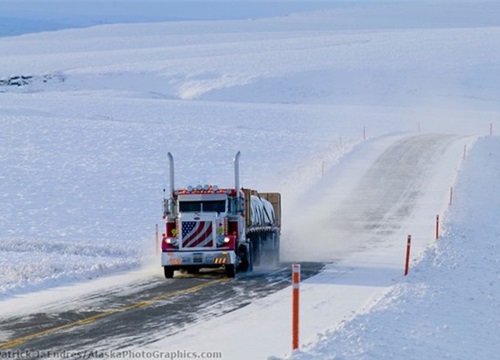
[(198, 258)]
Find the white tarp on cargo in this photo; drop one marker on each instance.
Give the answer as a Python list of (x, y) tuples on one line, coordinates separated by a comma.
[(262, 211)]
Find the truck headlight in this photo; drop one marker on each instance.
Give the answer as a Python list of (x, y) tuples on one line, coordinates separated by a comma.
[(223, 240), (172, 241)]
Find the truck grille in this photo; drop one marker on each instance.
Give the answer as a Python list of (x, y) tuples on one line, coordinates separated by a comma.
[(196, 234)]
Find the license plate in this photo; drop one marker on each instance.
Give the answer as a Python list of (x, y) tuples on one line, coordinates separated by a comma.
[(197, 258)]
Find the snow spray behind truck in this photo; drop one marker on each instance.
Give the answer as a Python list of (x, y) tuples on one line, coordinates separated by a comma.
[(209, 227)]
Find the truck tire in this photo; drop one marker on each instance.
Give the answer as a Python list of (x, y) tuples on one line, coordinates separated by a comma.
[(250, 258), (230, 270), (168, 271), (256, 249), (246, 255)]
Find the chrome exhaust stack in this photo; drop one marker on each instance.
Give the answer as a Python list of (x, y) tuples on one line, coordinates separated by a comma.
[(237, 171), (171, 166), (237, 181)]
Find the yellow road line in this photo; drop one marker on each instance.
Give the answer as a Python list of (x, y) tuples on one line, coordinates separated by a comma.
[(91, 319)]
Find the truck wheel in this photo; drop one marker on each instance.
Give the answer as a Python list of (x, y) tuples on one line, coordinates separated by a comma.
[(168, 271), (256, 250), (246, 255), (250, 258), (230, 270)]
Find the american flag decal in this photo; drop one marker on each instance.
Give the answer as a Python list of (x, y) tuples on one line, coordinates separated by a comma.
[(197, 234)]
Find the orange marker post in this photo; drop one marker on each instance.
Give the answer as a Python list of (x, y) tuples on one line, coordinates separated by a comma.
[(295, 305), (407, 263)]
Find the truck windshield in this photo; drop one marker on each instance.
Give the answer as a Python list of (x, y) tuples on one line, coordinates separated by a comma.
[(203, 206)]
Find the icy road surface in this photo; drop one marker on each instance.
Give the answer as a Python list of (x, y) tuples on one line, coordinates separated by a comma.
[(135, 308), (371, 198)]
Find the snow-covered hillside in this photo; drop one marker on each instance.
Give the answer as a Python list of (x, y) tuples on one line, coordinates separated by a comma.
[(83, 141)]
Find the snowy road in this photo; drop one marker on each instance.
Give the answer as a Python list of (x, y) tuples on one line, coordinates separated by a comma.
[(137, 312), (371, 197)]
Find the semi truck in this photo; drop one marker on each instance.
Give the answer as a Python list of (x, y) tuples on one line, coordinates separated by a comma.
[(206, 226)]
